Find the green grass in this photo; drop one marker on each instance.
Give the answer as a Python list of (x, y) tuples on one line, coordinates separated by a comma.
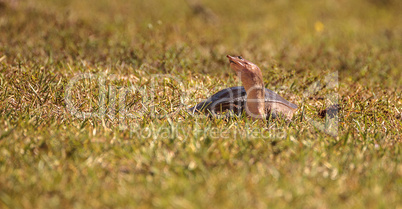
[(52, 159)]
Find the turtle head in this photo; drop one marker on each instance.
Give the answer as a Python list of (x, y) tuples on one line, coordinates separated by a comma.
[(249, 73)]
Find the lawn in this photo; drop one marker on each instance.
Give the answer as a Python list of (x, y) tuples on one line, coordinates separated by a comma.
[(93, 100)]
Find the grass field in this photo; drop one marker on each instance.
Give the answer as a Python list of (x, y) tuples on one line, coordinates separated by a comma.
[(140, 148)]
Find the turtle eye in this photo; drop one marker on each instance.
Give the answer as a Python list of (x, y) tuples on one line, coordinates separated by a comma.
[(240, 57)]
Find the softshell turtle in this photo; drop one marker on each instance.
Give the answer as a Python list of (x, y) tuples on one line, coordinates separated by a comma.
[(257, 101)]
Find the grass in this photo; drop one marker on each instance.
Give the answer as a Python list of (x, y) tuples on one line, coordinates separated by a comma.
[(50, 158)]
